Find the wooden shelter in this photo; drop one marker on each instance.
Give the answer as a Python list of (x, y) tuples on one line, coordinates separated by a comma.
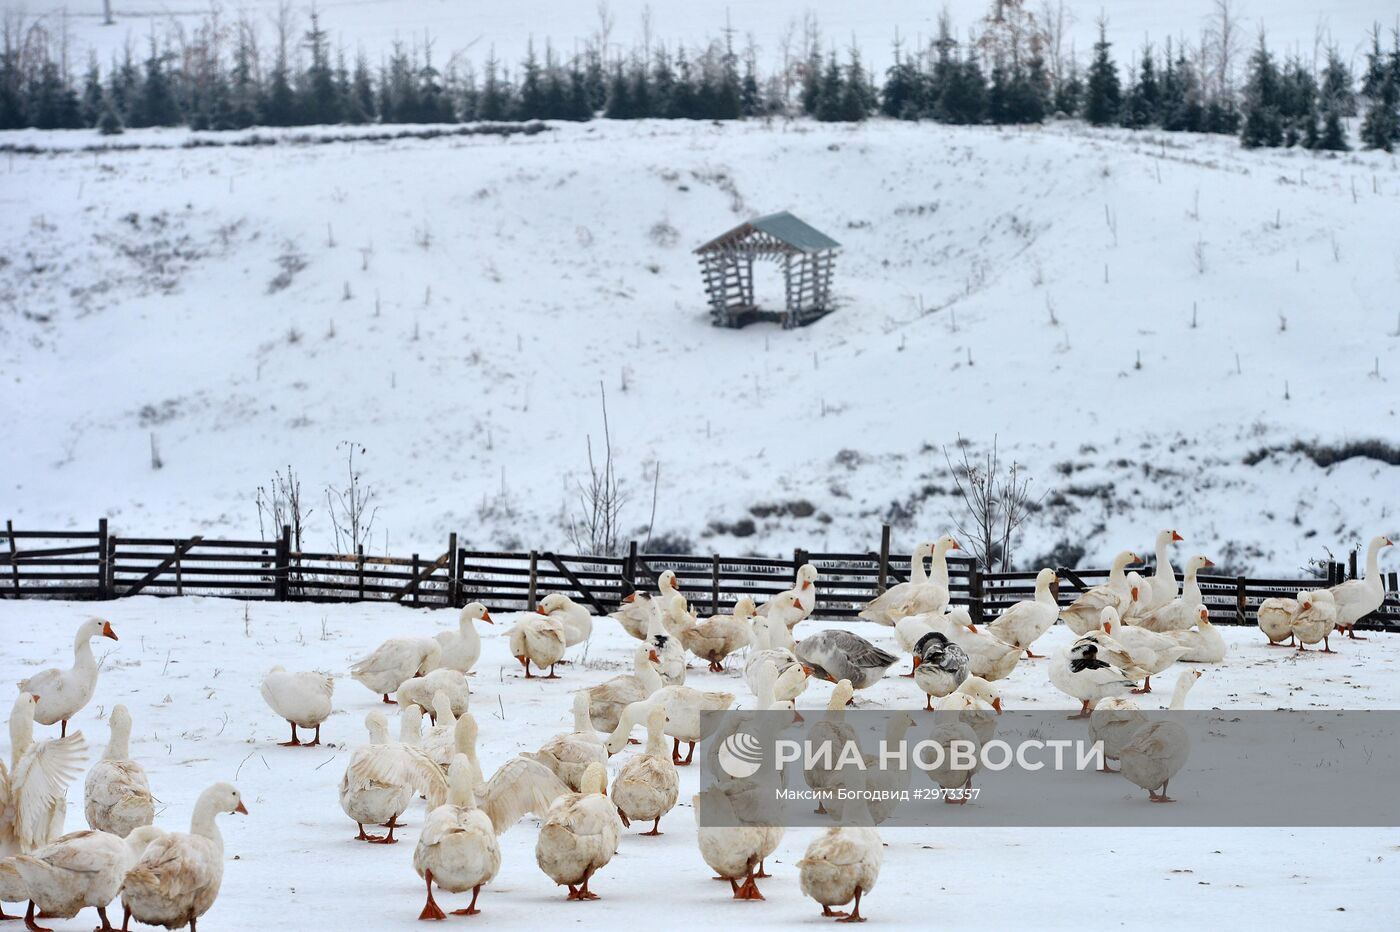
[(807, 257)]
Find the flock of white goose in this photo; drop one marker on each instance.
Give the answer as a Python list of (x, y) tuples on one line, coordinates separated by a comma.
[(1128, 629)]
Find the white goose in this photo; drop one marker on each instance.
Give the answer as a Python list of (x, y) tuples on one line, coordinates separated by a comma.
[(1161, 585), (540, 639), (382, 776), (80, 870), (117, 796), (647, 786), (635, 614), (607, 700), (734, 851), (1316, 620), (422, 690), (916, 596), (303, 699), (834, 731), (977, 703), (394, 661), (457, 848), (34, 793), (1083, 615), (1275, 617), (842, 864), (714, 639), (580, 835), (804, 591), (518, 786), (988, 656), (1180, 613), (63, 693), (1355, 598), (665, 642), (1205, 644), (1151, 651), (177, 877), (462, 648), (1157, 751), (568, 755), (1117, 719), (577, 621), (439, 742), (1023, 623), (683, 705), (1078, 672), (951, 771), (773, 644)]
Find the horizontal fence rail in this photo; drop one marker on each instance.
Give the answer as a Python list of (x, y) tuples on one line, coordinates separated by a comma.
[(97, 564)]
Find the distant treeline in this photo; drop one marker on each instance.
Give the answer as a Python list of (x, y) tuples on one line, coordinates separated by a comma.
[(1012, 67)]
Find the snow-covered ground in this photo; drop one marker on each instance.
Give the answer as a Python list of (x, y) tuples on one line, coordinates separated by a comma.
[(189, 670), (452, 305)]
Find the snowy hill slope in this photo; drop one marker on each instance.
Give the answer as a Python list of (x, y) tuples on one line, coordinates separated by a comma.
[(479, 289)]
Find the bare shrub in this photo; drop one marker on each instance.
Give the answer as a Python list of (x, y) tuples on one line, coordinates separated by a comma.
[(997, 503)]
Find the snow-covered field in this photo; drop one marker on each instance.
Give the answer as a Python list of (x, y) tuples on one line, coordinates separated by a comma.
[(189, 671), (452, 305)]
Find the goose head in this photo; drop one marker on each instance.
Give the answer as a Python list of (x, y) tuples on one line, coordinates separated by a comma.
[(667, 581), (1110, 619), (222, 797), (978, 688), (806, 577), (1202, 617), (96, 628), (1199, 562), (1168, 537), (475, 611), (1046, 578), (554, 602), (1123, 559), (744, 608), (923, 551), (378, 727), (961, 617)]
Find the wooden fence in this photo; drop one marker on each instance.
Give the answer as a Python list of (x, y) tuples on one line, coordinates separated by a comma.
[(100, 565)]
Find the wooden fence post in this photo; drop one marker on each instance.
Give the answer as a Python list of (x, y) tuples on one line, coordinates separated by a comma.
[(102, 558), (884, 558), (1241, 598), (179, 574), (534, 581), (714, 584), (1351, 564), (452, 585), (14, 563), (974, 589), (284, 561), (629, 570), (414, 581), (360, 568), (112, 567)]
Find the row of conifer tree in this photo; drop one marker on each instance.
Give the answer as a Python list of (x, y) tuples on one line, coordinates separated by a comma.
[(1007, 72)]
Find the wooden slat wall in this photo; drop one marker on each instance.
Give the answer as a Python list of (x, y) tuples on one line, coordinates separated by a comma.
[(96, 565)]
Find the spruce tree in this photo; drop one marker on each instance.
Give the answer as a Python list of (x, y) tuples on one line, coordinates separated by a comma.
[(320, 102), (1336, 91), (94, 102), (829, 99), (1069, 92), (1381, 127), (899, 94), (1263, 117), (619, 105), (1102, 100), (156, 106), (494, 101)]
